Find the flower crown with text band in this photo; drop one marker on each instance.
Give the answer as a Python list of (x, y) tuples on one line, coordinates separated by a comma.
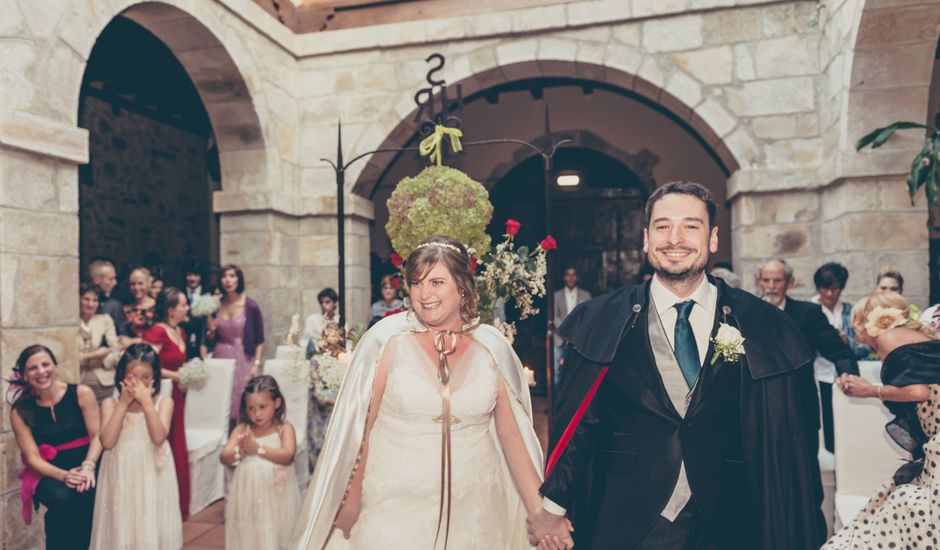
[(442, 245)]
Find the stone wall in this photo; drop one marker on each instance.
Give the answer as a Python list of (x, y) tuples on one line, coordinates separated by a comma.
[(778, 89), (145, 193)]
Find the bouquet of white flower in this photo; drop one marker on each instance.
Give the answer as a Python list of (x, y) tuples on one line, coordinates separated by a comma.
[(327, 375), (205, 305), (193, 373)]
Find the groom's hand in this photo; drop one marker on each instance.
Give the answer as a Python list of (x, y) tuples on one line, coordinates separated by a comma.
[(544, 523)]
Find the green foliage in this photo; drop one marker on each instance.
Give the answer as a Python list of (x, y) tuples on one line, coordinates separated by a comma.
[(925, 164), (439, 201)]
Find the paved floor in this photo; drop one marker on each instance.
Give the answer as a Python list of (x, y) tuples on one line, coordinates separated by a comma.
[(206, 530)]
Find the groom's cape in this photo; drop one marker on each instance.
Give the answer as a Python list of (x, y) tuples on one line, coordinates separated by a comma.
[(346, 430), (782, 468)]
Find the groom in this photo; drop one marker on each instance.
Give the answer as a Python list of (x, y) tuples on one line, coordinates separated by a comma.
[(661, 441)]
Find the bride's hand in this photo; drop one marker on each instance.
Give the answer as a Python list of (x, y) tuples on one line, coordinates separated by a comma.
[(347, 518)]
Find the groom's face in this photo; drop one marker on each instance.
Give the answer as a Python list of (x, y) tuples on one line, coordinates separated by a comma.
[(679, 239)]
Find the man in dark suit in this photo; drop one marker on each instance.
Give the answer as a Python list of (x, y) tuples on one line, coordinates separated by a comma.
[(103, 275), (669, 433), (775, 278), (195, 327)]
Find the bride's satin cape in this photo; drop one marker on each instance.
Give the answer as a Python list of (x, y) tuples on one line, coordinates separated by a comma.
[(344, 436)]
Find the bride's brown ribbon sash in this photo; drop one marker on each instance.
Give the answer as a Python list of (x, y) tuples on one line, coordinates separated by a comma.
[(443, 374)]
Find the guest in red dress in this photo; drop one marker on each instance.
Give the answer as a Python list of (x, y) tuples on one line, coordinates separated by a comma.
[(169, 340)]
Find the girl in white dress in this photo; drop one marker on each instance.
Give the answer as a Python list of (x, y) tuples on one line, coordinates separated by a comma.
[(263, 499), (137, 502)]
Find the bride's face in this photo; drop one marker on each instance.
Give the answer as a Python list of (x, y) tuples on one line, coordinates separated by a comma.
[(436, 299)]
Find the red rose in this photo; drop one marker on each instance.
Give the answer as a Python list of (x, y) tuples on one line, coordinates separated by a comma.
[(395, 281), (396, 259), (393, 312), (473, 264), (548, 243), (512, 227)]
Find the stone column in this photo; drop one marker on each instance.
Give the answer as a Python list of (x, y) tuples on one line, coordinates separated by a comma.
[(39, 271), (289, 254)]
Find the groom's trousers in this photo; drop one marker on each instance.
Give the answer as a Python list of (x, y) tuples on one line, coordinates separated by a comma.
[(687, 532)]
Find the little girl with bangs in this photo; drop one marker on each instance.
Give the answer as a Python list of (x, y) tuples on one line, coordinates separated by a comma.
[(263, 499)]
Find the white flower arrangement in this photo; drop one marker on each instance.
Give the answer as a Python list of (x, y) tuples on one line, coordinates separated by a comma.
[(205, 305), (193, 373), (515, 275), (729, 344), (327, 374)]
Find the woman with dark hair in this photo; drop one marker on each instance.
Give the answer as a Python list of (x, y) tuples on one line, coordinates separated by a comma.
[(237, 332), (169, 341), (97, 339), (56, 428), (830, 280), (431, 442)]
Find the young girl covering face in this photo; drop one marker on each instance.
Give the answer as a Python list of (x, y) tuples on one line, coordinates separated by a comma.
[(138, 477)]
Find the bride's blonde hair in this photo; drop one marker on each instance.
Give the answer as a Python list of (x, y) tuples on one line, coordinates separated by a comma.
[(884, 310)]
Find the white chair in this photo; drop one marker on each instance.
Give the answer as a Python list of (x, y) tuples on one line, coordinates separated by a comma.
[(865, 457), (207, 414), (297, 397)]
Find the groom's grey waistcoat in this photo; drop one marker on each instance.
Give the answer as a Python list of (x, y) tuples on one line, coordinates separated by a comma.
[(678, 391)]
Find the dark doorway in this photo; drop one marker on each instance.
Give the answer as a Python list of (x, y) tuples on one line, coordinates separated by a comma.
[(146, 195), (598, 225)]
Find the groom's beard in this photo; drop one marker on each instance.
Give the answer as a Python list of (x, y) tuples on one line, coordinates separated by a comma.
[(677, 273)]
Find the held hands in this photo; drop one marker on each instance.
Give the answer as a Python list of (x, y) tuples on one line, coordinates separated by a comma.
[(81, 478), (549, 531), (856, 386)]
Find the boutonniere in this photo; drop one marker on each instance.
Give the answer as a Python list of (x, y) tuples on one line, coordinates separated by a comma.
[(729, 344)]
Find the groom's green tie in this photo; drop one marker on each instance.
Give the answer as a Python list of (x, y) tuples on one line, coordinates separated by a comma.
[(686, 348)]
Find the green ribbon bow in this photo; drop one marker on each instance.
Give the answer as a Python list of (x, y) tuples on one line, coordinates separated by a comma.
[(431, 145)]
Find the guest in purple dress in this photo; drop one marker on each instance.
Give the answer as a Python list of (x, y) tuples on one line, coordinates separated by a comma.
[(237, 330)]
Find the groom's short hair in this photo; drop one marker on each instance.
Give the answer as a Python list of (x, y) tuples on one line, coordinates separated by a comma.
[(683, 187)]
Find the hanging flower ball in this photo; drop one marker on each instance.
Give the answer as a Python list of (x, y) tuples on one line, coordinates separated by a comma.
[(439, 201)]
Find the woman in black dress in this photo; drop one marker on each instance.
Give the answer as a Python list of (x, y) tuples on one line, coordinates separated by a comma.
[(56, 427)]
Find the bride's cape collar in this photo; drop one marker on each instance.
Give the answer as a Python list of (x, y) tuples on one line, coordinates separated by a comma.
[(413, 323)]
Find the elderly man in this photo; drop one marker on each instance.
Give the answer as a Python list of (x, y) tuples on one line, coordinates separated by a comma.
[(775, 278)]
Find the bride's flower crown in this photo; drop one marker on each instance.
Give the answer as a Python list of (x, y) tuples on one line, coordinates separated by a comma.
[(441, 245), (883, 319)]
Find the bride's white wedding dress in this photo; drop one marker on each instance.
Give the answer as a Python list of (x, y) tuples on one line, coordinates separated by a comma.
[(401, 491)]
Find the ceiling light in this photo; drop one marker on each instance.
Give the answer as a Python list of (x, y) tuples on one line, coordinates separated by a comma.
[(569, 180)]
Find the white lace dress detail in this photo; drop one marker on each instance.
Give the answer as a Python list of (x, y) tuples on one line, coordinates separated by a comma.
[(137, 500), (402, 479)]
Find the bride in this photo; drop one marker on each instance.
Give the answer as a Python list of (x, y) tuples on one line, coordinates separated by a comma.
[(431, 444)]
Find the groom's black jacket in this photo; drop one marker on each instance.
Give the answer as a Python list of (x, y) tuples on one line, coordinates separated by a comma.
[(616, 441)]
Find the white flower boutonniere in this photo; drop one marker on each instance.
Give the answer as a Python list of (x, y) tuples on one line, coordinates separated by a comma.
[(729, 344)]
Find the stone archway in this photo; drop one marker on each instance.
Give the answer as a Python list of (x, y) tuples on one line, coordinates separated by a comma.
[(640, 163), (890, 79), (223, 87), (710, 124), (891, 65)]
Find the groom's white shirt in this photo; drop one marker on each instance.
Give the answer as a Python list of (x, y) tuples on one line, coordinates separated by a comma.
[(701, 318)]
